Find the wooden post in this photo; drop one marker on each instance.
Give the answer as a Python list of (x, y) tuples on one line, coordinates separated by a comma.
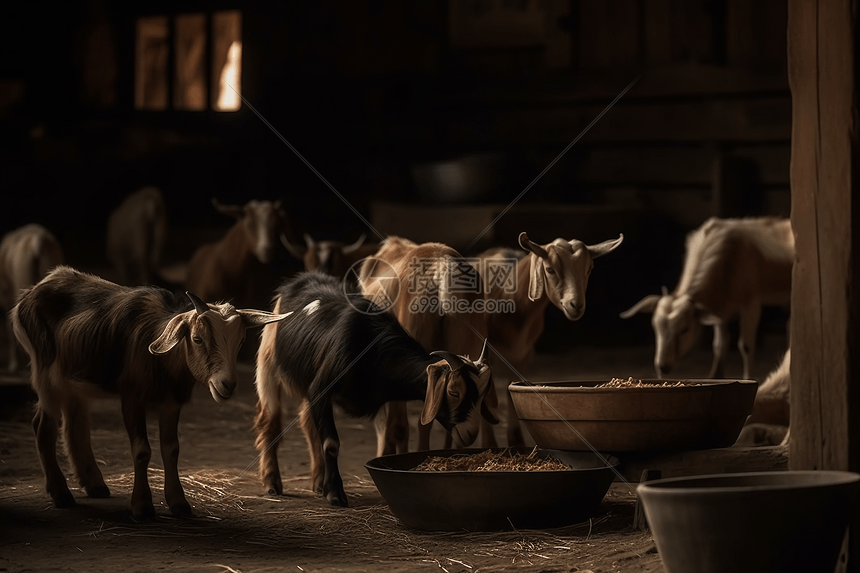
[(825, 328), (825, 305)]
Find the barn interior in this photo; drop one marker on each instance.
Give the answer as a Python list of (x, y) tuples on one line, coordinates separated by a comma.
[(462, 122), (465, 122)]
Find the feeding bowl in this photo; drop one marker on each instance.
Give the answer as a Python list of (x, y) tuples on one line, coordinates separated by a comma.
[(492, 500), (695, 415), (763, 522)]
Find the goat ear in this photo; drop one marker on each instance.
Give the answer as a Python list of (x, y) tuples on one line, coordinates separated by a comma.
[(647, 304), (176, 330), (252, 318), (436, 387), (605, 247), (536, 278)]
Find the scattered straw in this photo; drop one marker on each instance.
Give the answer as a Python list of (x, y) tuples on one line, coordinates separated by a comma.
[(489, 461)]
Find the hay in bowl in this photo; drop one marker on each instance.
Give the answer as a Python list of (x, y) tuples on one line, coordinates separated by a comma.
[(502, 499), (630, 415)]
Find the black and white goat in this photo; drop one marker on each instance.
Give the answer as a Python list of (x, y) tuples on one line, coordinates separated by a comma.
[(88, 337), (340, 348)]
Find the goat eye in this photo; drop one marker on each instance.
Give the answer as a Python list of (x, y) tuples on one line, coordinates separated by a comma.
[(197, 340), (550, 271)]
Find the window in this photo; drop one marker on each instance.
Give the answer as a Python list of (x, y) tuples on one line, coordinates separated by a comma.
[(185, 42)]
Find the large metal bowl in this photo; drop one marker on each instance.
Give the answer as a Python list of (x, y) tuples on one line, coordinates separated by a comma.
[(762, 522), (492, 501), (700, 414)]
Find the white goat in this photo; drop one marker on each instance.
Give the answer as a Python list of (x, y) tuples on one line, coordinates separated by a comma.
[(136, 231), (88, 337), (771, 413), (26, 255), (732, 267), (556, 273)]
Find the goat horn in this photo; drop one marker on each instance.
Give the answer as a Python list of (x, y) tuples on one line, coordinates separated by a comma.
[(665, 291), (531, 246), (309, 241), (483, 353), (199, 305), (354, 246), (454, 361)]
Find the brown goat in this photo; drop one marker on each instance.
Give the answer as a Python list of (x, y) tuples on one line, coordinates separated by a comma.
[(26, 255), (331, 257), (432, 291), (88, 337), (228, 268)]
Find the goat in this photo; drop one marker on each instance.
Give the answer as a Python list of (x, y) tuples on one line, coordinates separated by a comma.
[(556, 273), (340, 348), (228, 268), (331, 257), (136, 231), (771, 413), (425, 286), (732, 267), (87, 337), (26, 255)]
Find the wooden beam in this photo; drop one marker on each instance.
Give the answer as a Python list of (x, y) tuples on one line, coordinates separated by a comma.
[(701, 462)]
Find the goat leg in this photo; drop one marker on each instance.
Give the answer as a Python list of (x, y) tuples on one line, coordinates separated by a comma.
[(750, 316), (306, 420), (721, 348), (45, 427), (392, 429), (332, 487), (134, 417), (268, 426), (168, 422), (76, 427)]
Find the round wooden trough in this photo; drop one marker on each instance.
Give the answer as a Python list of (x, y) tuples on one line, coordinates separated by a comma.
[(680, 415), (492, 500), (762, 522)]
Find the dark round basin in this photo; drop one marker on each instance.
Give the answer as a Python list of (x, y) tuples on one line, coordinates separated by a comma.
[(759, 522), (492, 501)]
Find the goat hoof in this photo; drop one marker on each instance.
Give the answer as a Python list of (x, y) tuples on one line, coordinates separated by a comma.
[(64, 499), (98, 491), (337, 499), (143, 511), (275, 489), (181, 509)]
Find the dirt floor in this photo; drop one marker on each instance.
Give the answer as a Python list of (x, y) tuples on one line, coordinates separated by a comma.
[(237, 527)]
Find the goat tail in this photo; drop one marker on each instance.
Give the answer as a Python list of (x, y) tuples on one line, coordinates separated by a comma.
[(24, 339)]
